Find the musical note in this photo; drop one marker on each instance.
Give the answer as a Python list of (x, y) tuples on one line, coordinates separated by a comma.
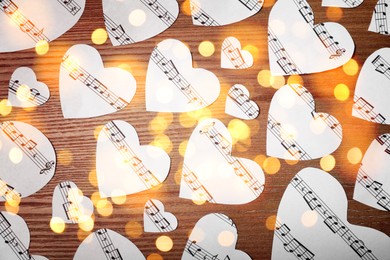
[(234, 55), (201, 16), (366, 111), (380, 15), (106, 244), (328, 41), (198, 190), (159, 10), (198, 252), (70, 201), (330, 121), (382, 66), (252, 5), (242, 100), (157, 218), (71, 5), (117, 31), (32, 96), (8, 192)]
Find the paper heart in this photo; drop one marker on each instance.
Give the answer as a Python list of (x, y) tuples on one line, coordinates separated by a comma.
[(298, 46), (25, 24), (156, 219), (223, 12), (106, 244), (88, 89), (15, 238), (136, 168), (69, 204), (213, 237), (342, 3), (27, 160), (137, 20), (372, 185), (239, 105), (211, 173), (372, 88), (172, 85), (233, 57), (312, 223), (25, 91), (379, 21), (295, 131)]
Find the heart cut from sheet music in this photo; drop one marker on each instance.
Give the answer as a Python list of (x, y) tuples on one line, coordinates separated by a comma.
[(213, 237), (106, 244), (25, 91), (29, 24), (233, 57), (312, 223), (295, 131), (173, 85), (380, 22), (136, 168), (239, 105), (298, 46), (342, 3), (15, 238), (27, 160), (69, 204), (210, 173), (223, 12), (88, 89), (372, 185), (372, 89), (156, 219), (137, 20)]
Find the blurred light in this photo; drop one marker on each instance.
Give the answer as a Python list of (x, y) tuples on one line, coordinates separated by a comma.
[(158, 125), (10, 208), (226, 238), (186, 7), (252, 49), (23, 93), (206, 48), (64, 157), (164, 243), (81, 234), (291, 162), (57, 225), (30, 109), (15, 155), (163, 142), (334, 13), (238, 130), (5, 107), (295, 79), (41, 47), (118, 197), (277, 82), (186, 121), (309, 218), (86, 223), (200, 113), (14, 200), (268, 3), (104, 208), (137, 17), (183, 148), (92, 177), (351, 68), (125, 66), (259, 159), (154, 256), (243, 145), (270, 222), (271, 165), (178, 176), (97, 131), (354, 155), (133, 229), (264, 78), (95, 198), (341, 92), (99, 36), (328, 162), (196, 200)]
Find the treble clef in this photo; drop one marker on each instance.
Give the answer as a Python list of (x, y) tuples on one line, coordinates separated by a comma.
[(48, 166)]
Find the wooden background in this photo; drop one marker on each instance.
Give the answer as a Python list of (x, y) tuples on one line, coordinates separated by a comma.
[(75, 144)]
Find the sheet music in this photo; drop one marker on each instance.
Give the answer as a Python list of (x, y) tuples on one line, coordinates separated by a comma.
[(379, 21), (106, 244), (34, 97), (295, 131), (365, 110), (239, 105), (8, 193), (117, 32), (200, 17), (342, 3), (196, 186), (71, 5), (233, 57), (156, 219)]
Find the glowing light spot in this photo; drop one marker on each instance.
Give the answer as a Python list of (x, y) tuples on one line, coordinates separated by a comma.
[(334, 13), (164, 243), (57, 225), (354, 155), (226, 238), (268, 3), (154, 256), (178, 176), (137, 17), (10, 208), (317, 126), (118, 197), (271, 165), (206, 48), (183, 147), (95, 198), (133, 229), (295, 79), (341, 92), (270, 222), (252, 49), (41, 47), (86, 223), (104, 208), (259, 159), (163, 142), (99, 36), (309, 218), (92, 177), (264, 78), (196, 200), (186, 7), (125, 66), (351, 68), (277, 82), (291, 162), (15, 155), (187, 121), (64, 157), (328, 162), (5, 107), (97, 131), (239, 130), (23, 93), (158, 125), (13, 201), (81, 234)]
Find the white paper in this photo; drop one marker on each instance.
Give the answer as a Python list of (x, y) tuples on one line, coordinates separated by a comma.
[(15, 238), (295, 131), (130, 21), (312, 222), (238, 103), (213, 237), (372, 185), (173, 85), (372, 89), (233, 57), (25, 91), (380, 23), (25, 23), (342, 3), (27, 160), (136, 168), (223, 12), (156, 219), (106, 244), (298, 46), (87, 89), (69, 204), (210, 172)]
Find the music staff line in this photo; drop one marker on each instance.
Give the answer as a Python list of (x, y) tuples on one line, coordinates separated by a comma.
[(382, 66), (234, 55), (160, 11), (71, 6), (70, 203), (117, 138), (200, 253), (28, 146), (243, 102), (117, 31), (195, 185), (33, 96), (105, 242), (384, 140), (201, 16), (154, 214), (331, 220), (8, 192), (380, 14), (366, 110), (252, 5)]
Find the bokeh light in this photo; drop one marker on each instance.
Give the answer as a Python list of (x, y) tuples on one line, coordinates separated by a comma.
[(354, 155), (206, 48), (183, 148), (97, 131), (341, 92), (154, 256), (295, 79), (86, 223), (104, 208), (99, 36), (64, 157), (264, 78), (160, 123), (11, 208), (162, 141), (137, 17), (42, 47), (15, 155), (118, 197), (239, 130), (5, 107), (57, 225), (271, 165), (164, 243), (291, 162), (351, 68), (252, 49), (334, 13), (268, 3), (186, 7), (309, 218), (81, 234), (226, 238), (270, 222), (92, 177), (328, 162), (133, 229), (259, 159), (125, 66)]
